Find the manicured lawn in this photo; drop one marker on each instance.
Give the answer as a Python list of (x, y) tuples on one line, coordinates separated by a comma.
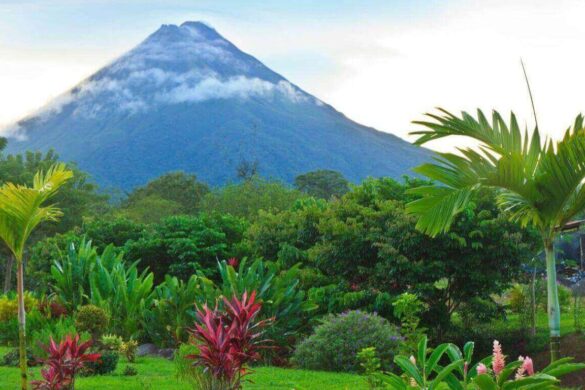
[(158, 374)]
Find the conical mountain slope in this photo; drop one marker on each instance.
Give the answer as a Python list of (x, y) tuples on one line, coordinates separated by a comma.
[(187, 99)]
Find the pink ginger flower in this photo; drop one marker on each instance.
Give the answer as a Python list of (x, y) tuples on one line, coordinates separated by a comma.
[(481, 369), (233, 262), (499, 361), (528, 366)]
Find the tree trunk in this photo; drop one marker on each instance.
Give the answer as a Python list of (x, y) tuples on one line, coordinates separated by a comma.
[(533, 304), (8, 273), (554, 310), (21, 324)]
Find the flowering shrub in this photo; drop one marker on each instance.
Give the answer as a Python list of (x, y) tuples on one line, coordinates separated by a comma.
[(336, 342), (129, 348), (229, 341), (63, 363), (492, 373)]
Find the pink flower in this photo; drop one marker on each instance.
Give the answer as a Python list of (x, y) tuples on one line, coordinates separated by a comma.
[(481, 369), (527, 366), (521, 370), (499, 361), (233, 262)]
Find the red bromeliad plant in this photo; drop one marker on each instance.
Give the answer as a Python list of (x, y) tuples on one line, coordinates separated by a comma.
[(64, 361), (229, 341)]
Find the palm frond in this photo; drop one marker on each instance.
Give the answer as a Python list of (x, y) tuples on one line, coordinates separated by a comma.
[(21, 207)]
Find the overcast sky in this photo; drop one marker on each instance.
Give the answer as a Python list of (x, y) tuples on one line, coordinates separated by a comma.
[(382, 63)]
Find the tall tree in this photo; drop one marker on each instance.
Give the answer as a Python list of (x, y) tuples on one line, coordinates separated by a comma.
[(21, 211), (322, 183), (538, 183)]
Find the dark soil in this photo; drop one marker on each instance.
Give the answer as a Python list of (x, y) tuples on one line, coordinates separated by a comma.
[(571, 345)]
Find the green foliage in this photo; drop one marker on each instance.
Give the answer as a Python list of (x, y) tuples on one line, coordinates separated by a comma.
[(181, 245), (246, 199), (179, 192), (130, 371), (71, 273), (123, 292), (106, 364), (111, 342), (93, 320), (9, 305), (10, 358), (425, 371), (277, 289), (128, 349), (370, 364), (408, 309), (336, 342), (187, 372), (324, 184), (42, 330), (150, 209), (172, 312)]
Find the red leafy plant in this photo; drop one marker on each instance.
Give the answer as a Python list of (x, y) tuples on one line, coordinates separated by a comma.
[(229, 341), (63, 362)]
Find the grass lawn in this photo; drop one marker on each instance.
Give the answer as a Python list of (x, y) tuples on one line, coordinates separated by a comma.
[(158, 374)]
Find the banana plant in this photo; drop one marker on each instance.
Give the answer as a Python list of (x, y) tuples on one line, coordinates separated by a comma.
[(422, 372), (123, 292)]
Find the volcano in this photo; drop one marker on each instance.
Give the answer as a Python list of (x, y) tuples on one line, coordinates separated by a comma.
[(188, 99)]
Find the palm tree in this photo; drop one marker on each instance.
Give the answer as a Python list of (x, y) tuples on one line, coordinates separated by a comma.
[(21, 210), (537, 183)]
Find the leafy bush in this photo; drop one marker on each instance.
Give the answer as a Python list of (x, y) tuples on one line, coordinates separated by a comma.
[(186, 371), (106, 364), (9, 306), (370, 364), (408, 309), (172, 312), (11, 358), (111, 342), (71, 273), (336, 342), (93, 320), (129, 348), (130, 371), (123, 293)]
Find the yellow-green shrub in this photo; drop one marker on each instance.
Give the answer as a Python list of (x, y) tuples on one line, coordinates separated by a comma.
[(9, 306)]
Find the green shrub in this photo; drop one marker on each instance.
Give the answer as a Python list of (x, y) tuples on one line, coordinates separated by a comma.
[(11, 358), (93, 320), (172, 313), (9, 332), (370, 364), (106, 364), (129, 348), (189, 373), (9, 306), (130, 371), (111, 342), (336, 342)]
